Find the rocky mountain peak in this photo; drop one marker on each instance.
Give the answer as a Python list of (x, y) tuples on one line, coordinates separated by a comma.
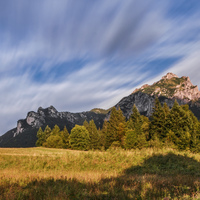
[(171, 86), (169, 75)]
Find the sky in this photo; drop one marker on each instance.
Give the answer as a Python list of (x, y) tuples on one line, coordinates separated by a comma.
[(77, 55)]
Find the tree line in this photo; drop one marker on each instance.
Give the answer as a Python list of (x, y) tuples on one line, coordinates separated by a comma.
[(176, 127)]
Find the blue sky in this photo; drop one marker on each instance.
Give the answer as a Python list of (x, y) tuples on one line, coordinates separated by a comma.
[(77, 55)]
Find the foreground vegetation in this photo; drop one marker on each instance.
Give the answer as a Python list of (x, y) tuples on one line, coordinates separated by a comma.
[(42, 173)]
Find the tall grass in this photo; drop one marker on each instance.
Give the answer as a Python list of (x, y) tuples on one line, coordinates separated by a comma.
[(41, 173)]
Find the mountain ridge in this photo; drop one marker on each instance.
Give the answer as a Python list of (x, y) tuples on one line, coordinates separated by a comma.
[(168, 89)]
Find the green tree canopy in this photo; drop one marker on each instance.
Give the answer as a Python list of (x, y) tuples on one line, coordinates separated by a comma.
[(116, 127), (47, 132), (94, 138), (157, 125), (54, 141), (41, 137), (79, 138), (55, 130), (65, 137)]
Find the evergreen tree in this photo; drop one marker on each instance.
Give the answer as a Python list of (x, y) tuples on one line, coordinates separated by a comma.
[(157, 125), (145, 126), (135, 121), (116, 127), (94, 138), (103, 133), (86, 124), (65, 137), (166, 110), (170, 138), (179, 123), (137, 129), (47, 132), (130, 139), (55, 130), (41, 137), (193, 128), (54, 141), (79, 138)]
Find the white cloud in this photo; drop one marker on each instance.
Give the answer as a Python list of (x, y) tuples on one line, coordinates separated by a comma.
[(92, 86), (189, 66), (37, 36)]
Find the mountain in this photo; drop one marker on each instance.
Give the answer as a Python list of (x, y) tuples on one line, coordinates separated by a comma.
[(24, 135), (169, 88)]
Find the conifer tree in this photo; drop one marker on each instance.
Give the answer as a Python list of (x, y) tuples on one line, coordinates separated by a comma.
[(166, 110), (65, 137), (41, 137), (103, 133), (157, 125), (179, 123), (130, 139), (79, 138), (116, 127), (55, 130), (170, 138), (145, 126), (94, 139), (193, 128), (86, 124), (47, 132), (137, 127), (135, 121)]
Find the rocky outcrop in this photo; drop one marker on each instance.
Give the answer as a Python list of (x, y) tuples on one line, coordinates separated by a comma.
[(171, 86), (24, 135), (169, 75), (186, 90)]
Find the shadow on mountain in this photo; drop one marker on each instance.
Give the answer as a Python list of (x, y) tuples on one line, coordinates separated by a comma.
[(159, 177)]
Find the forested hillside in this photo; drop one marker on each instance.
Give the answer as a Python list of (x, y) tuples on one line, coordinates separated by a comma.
[(176, 127)]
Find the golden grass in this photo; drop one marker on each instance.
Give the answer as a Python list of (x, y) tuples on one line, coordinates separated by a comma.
[(42, 173)]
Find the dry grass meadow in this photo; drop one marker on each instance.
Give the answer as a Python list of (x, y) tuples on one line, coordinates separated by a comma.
[(42, 173)]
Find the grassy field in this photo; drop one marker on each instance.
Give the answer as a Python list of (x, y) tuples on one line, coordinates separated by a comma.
[(41, 173)]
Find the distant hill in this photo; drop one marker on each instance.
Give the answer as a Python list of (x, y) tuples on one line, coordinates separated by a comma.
[(169, 88)]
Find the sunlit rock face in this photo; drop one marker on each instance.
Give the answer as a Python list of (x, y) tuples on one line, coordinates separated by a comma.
[(169, 76), (187, 90), (171, 86)]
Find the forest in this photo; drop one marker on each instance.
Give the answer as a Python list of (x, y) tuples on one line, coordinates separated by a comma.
[(176, 128)]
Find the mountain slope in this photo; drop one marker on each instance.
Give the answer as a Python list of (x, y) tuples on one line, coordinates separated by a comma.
[(24, 135), (169, 88)]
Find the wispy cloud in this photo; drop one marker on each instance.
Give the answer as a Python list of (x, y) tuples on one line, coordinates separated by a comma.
[(92, 86), (114, 40)]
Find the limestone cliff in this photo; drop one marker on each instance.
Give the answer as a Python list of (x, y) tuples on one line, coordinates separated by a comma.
[(24, 135), (171, 86)]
